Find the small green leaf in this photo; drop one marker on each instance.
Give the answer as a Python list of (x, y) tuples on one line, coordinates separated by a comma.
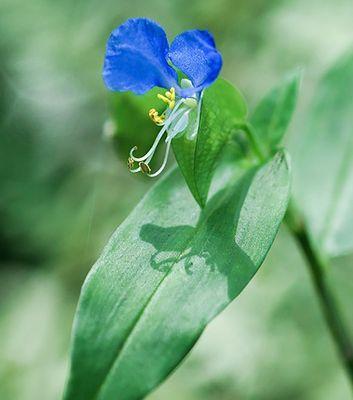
[(323, 156), (223, 110), (167, 271), (273, 114)]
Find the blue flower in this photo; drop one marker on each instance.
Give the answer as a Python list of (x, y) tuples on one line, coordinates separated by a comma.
[(138, 58)]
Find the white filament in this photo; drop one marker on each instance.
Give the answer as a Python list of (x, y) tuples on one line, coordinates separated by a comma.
[(164, 162), (167, 123), (179, 126)]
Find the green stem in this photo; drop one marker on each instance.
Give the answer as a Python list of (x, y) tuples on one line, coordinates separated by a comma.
[(317, 267)]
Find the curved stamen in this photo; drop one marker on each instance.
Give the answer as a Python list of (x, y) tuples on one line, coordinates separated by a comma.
[(152, 149), (179, 125), (134, 171), (164, 162), (150, 152)]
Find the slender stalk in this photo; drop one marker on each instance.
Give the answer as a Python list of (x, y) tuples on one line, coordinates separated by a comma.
[(255, 142), (317, 267)]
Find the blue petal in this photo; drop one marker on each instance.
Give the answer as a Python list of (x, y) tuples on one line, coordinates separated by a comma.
[(195, 54), (136, 58)]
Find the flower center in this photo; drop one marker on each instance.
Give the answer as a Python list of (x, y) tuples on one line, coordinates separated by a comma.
[(173, 121), (169, 99)]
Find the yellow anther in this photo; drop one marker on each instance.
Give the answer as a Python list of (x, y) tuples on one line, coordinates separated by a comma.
[(163, 98), (169, 98), (155, 117), (145, 168), (130, 163)]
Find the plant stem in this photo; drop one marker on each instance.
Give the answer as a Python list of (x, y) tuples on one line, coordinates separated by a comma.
[(317, 267), (255, 142)]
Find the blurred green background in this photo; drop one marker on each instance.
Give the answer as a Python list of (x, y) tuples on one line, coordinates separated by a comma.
[(63, 191)]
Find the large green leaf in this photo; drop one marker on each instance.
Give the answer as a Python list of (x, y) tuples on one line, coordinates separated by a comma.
[(166, 272), (223, 111), (272, 115), (323, 157)]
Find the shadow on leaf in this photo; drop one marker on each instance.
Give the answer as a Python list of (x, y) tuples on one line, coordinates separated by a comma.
[(211, 242)]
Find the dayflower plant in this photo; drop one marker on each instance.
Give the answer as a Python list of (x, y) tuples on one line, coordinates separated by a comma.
[(174, 264), (139, 58)]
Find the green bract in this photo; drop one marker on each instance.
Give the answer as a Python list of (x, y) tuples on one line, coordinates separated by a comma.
[(223, 110)]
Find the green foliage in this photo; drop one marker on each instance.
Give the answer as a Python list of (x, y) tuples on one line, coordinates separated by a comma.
[(62, 194), (323, 161), (223, 110), (272, 115), (166, 272), (171, 267)]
